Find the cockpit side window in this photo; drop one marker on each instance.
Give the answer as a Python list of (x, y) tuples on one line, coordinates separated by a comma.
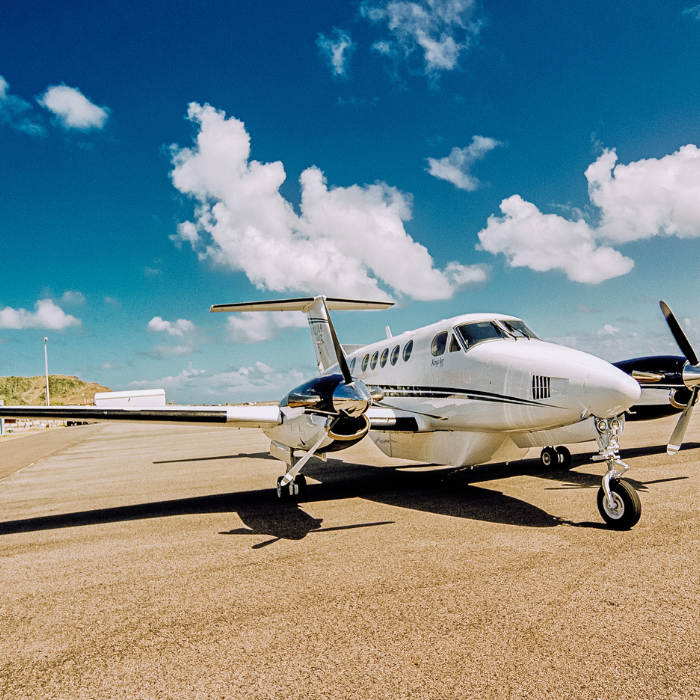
[(439, 344), (478, 332), (454, 344), (519, 329)]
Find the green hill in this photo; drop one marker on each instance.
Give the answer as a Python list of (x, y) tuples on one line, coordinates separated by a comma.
[(63, 390)]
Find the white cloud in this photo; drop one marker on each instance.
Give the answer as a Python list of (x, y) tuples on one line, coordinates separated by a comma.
[(73, 297), (608, 329), (256, 327), (345, 242), (159, 352), (252, 380), (110, 366), (14, 112), (542, 242), (650, 197), (693, 12), (438, 31), (191, 337), (113, 302), (456, 168), (72, 109), (178, 328), (337, 49), (47, 316)]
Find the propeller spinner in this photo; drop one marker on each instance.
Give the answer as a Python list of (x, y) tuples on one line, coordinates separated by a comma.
[(691, 378)]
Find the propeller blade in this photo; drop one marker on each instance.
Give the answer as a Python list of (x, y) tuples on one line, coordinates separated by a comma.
[(289, 476), (406, 410), (339, 352), (674, 444), (678, 334)]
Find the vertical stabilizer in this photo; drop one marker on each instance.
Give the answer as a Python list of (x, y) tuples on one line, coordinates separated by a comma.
[(321, 335)]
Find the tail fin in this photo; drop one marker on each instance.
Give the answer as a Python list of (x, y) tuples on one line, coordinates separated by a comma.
[(316, 313)]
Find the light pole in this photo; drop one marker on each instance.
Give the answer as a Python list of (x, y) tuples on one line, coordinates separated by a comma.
[(46, 363)]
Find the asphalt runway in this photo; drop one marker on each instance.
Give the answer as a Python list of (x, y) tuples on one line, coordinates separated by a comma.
[(155, 562)]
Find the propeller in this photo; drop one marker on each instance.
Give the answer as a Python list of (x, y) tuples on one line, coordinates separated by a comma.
[(691, 378)]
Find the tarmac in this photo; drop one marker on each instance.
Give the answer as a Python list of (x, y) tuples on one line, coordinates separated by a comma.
[(142, 561)]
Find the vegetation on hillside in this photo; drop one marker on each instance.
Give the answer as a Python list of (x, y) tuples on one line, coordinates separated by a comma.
[(63, 391)]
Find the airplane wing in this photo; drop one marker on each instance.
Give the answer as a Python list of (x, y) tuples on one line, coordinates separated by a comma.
[(231, 416)]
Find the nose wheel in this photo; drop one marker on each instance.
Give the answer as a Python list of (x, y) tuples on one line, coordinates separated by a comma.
[(294, 490), (555, 458), (623, 509)]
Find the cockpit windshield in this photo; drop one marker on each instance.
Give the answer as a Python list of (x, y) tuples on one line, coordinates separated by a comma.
[(478, 332), (473, 333), (519, 329)]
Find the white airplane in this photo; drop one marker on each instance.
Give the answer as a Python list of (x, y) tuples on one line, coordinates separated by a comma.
[(468, 390)]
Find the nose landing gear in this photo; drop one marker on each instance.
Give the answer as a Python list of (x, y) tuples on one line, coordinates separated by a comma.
[(618, 502)]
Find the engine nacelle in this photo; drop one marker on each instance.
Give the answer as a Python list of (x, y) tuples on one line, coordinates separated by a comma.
[(300, 430)]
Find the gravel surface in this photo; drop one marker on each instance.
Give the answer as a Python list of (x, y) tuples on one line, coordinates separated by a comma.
[(155, 562)]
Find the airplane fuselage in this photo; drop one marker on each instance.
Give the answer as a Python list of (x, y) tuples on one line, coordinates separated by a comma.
[(472, 399)]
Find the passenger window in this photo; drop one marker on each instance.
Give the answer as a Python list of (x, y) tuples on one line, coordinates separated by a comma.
[(439, 344), (373, 363), (395, 355), (351, 366), (384, 357), (454, 344), (365, 360), (408, 349)]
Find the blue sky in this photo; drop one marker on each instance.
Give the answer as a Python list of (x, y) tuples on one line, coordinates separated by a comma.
[(455, 156)]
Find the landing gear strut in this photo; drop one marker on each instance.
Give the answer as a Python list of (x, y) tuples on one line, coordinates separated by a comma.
[(618, 502), (555, 457)]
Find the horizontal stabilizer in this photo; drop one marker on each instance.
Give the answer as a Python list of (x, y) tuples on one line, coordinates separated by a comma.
[(302, 304)]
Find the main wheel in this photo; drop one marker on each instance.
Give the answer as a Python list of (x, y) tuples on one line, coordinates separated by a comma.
[(300, 481), (549, 457), (564, 455), (284, 493), (628, 507)]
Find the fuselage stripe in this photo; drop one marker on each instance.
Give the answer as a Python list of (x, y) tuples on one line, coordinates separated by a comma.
[(419, 392)]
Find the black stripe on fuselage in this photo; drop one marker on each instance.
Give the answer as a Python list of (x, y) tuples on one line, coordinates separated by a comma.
[(433, 392)]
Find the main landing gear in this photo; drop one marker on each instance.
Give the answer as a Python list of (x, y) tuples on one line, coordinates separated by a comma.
[(555, 457), (295, 489), (618, 502)]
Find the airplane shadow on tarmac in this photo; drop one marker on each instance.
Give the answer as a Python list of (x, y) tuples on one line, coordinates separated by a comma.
[(442, 491)]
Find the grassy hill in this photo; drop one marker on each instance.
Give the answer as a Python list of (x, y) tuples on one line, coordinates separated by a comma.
[(63, 390)]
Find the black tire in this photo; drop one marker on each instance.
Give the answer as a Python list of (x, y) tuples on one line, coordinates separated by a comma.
[(283, 492), (629, 507), (549, 458), (564, 457), (300, 481)]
